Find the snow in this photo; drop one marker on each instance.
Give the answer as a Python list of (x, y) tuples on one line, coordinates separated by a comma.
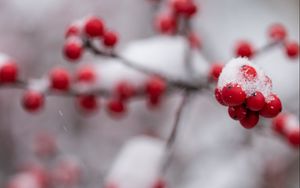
[(3, 59), (232, 73), (138, 163), (40, 85), (291, 123)]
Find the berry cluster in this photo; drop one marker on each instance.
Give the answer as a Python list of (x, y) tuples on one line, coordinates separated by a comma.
[(287, 125), (91, 29), (277, 33), (168, 22), (8, 70), (247, 92)]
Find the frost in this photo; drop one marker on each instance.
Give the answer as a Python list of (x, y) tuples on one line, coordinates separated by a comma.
[(232, 73)]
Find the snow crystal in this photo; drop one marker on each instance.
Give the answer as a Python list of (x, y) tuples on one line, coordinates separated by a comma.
[(138, 163), (232, 73)]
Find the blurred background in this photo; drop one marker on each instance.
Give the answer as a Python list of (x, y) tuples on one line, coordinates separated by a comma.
[(210, 150)]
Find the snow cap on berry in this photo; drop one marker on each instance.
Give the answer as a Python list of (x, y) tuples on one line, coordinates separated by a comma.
[(249, 76)]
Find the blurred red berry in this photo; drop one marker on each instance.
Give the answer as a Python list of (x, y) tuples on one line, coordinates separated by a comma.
[(256, 101), (237, 112), (166, 24), (244, 49), (116, 107), (94, 27), (250, 120), (73, 49), (186, 8), (215, 71), (124, 90), (88, 103), (160, 183), (110, 39), (60, 79), (293, 137), (33, 101), (194, 40), (233, 95), (277, 32), (279, 122), (292, 49), (8, 72), (73, 30), (272, 107), (86, 74), (155, 86)]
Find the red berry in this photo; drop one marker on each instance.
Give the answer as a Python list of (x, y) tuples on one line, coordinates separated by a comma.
[(116, 107), (279, 122), (44, 145), (160, 183), (153, 101), (8, 72), (166, 24), (292, 49), (233, 95), (86, 74), (73, 49), (272, 108), (88, 103), (94, 27), (33, 101), (244, 49), (110, 39), (111, 185), (249, 72), (124, 90), (294, 137), (237, 112), (155, 86), (60, 79), (218, 96), (194, 40), (277, 32), (256, 101), (73, 30), (250, 120), (215, 71), (184, 7)]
